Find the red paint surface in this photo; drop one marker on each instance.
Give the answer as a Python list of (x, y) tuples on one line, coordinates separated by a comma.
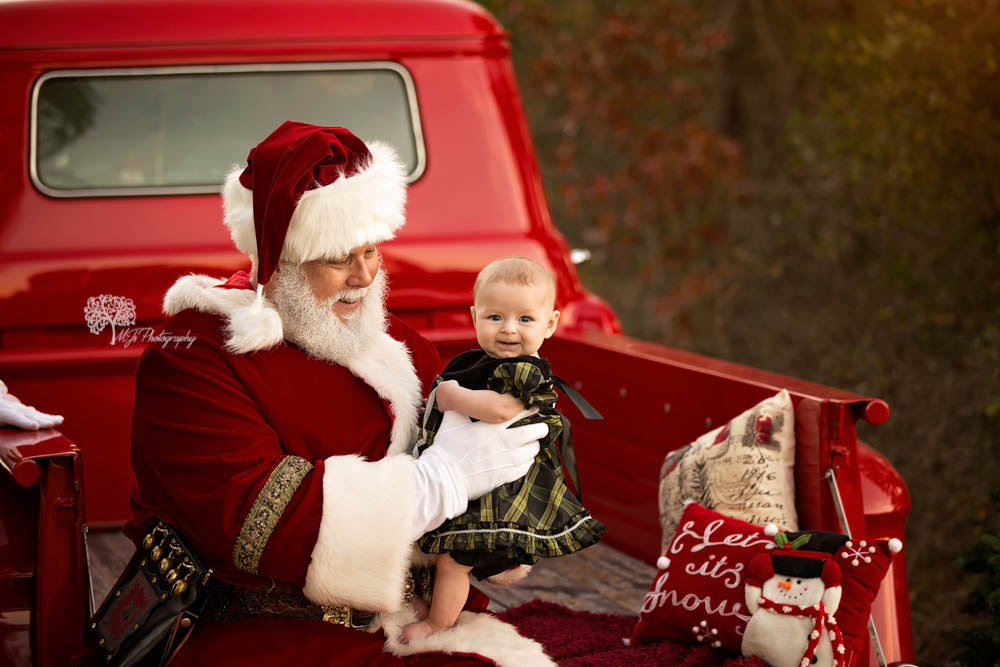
[(43, 561), (480, 197)]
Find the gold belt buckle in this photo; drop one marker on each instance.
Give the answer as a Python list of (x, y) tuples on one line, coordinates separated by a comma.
[(358, 620), (340, 615)]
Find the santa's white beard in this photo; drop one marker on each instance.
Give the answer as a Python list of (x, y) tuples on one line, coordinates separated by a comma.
[(316, 328)]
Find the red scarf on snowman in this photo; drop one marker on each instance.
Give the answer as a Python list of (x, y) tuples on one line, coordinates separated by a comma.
[(820, 619)]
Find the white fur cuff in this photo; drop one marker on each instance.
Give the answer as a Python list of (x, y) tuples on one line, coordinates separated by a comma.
[(362, 552)]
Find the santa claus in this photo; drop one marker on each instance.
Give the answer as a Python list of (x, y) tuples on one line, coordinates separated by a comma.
[(277, 444)]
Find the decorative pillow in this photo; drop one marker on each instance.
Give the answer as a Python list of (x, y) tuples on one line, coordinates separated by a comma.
[(743, 469), (697, 595)]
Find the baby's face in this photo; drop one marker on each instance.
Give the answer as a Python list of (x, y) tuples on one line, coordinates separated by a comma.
[(513, 320)]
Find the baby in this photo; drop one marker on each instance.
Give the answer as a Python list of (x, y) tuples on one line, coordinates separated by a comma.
[(537, 515)]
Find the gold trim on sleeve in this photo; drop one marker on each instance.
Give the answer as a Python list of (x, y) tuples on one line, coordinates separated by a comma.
[(267, 509)]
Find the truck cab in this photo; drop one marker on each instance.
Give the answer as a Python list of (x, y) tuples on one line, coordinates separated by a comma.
[(120, 120)]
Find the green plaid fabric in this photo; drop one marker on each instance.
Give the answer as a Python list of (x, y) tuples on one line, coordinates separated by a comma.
[(535, 516)]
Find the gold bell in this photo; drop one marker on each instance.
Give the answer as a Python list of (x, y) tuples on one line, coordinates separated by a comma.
[(165, 565), (171, 576), (147, 542), (157, 553), (178, 588)]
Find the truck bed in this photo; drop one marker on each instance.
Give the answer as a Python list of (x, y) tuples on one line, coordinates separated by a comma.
[(653, 399), (600, 579)]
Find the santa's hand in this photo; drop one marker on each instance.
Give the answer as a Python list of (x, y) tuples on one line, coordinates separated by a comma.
[(467, 460), (15, 413)]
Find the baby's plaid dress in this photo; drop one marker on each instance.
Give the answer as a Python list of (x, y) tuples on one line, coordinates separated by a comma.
[(534, 516)]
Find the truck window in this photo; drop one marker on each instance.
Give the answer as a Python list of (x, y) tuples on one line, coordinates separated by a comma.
[(178, 130)]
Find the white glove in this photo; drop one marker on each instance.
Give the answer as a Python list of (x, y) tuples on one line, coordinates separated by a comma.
[(469, 459), (15, 413)]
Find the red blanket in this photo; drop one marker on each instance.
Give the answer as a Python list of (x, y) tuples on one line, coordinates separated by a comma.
[(582, 638)]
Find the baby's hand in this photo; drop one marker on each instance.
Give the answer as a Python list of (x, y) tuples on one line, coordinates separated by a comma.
[(445, 395)]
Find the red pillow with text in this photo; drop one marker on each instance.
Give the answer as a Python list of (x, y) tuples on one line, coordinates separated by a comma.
[(698, 594)]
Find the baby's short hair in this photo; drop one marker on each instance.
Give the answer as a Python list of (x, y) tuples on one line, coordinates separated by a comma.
[(515, 271)]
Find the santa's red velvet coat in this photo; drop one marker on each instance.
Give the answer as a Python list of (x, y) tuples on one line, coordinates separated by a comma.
[(281, 468)]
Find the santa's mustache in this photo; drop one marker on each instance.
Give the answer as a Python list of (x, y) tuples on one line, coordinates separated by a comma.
[(350, 294)]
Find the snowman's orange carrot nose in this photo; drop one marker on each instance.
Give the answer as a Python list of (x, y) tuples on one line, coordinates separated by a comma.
[(785, 584)]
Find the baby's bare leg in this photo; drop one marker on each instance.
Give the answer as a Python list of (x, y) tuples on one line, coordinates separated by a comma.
[(451, 590)]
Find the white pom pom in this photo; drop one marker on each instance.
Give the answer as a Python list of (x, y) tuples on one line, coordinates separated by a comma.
[(662, 563), (895, 545), (626, 641), (771, 530), (716, 644), (253, 327)]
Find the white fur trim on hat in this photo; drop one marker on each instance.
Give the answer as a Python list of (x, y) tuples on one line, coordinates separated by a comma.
[(362, 552), (331, 220)]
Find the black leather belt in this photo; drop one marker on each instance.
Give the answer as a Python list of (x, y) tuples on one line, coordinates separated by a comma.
[(227, 602)]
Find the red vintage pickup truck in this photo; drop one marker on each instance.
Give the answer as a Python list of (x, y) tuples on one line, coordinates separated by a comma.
[(116, 128)]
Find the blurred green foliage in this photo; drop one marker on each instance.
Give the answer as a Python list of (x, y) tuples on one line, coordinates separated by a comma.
[(980, 646), (811, 188)]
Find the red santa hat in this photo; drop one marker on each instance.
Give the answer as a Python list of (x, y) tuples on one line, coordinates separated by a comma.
[(311, 192), (307, 192)]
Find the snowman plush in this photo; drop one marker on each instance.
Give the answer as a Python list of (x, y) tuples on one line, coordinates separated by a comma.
[(792, 595)]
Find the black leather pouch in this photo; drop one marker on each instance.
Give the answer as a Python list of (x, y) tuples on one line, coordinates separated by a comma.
[(155, 604)]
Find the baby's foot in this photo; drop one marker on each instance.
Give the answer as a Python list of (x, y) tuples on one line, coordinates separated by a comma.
[(418, 630), (420, 607)]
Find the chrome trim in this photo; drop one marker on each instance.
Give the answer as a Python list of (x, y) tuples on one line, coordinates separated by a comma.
[(90, 572), (838, 503), (404, 74)]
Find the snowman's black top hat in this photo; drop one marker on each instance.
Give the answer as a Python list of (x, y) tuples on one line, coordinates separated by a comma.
[(807, 563), (800, 564)]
